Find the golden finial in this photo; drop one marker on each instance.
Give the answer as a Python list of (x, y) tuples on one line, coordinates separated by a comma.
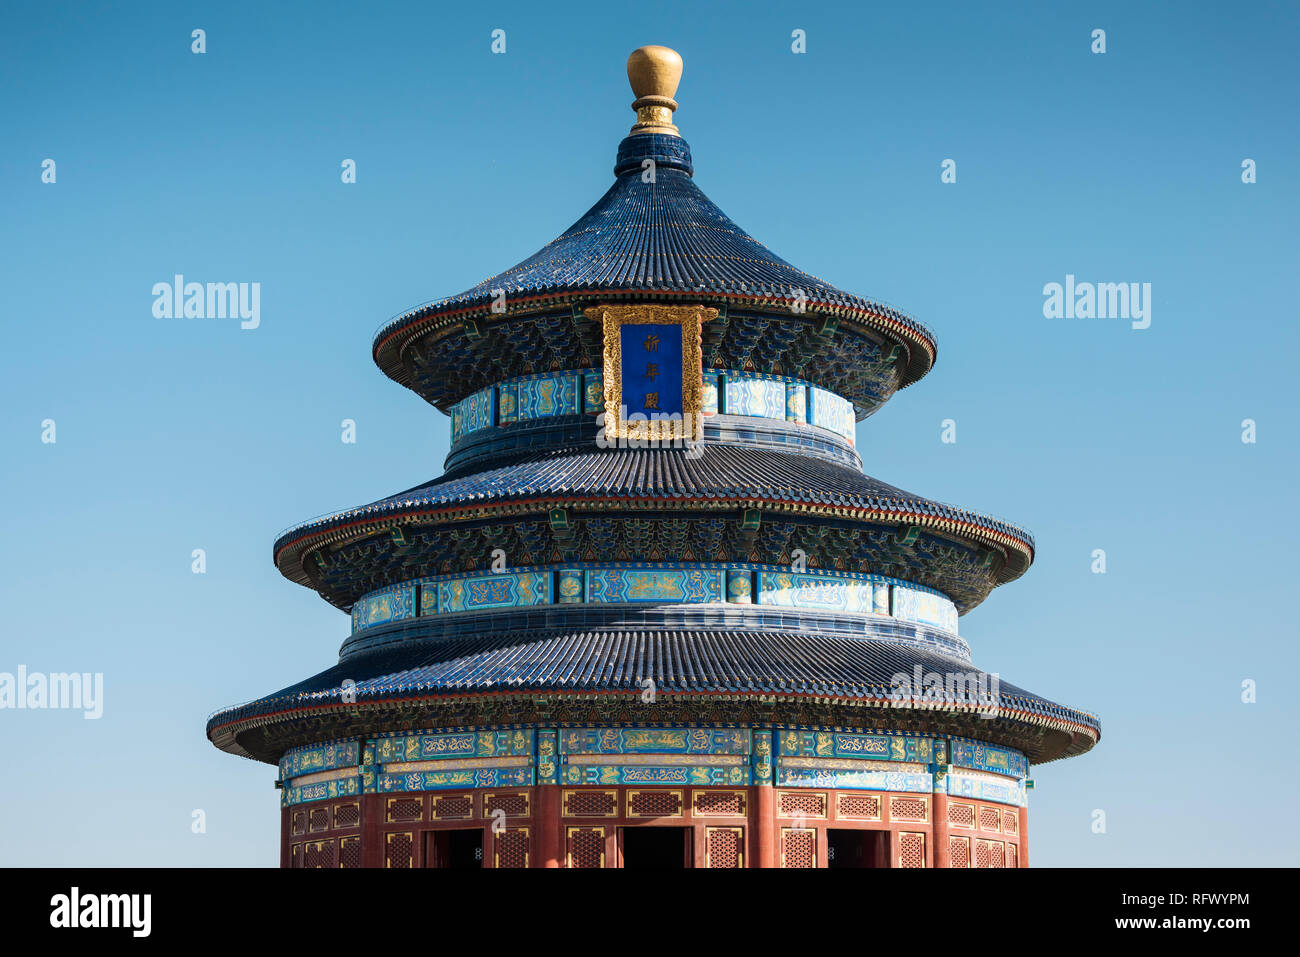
[(654, 73)]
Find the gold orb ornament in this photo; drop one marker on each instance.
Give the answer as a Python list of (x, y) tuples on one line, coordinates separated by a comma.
[(654, 73)]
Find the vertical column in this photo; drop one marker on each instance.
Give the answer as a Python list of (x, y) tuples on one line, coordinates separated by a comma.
[(548, 834), (1023, 812), (939, 816), (286, 818), (762, 815), (372, 808)]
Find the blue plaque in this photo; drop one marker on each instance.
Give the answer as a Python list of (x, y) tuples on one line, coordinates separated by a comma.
[(652, 369)]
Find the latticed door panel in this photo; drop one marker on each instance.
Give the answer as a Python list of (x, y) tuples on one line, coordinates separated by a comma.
[(319, 854), (398, 849), (585, 846), (959, 852), (798, 847), (997, 856), (983, 854), (724, 847), (511, 847), (1013, 856), (350, 852), (911, 849)]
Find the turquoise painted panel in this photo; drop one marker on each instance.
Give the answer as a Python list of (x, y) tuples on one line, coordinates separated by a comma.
[(875, 747), (543, 396), (735, 775), (654, 585), (593, 395), (654, 740), (709, 406), (987, 757), (452, 744), (324, 757), (912, 603), (455, 779), (862, 780), (751, 395), (504, 590), (390, 604), (1005, 791), (472, 413), (548, 757), (428, 599), (507, 403), (832, 412), (796, 402), (320, 791), (880, 598), (797, 590)]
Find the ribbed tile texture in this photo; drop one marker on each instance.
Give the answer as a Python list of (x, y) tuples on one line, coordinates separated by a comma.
[(661, 236), (721, 472), (602, 661)]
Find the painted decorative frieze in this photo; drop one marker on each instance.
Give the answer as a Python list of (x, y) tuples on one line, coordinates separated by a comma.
[(503, 590), (796, 590), (654, 585), (913, 603), (832, 412)]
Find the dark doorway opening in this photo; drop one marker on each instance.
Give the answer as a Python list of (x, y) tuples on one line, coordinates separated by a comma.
[(857, 848), (454, 849), (657, 847)]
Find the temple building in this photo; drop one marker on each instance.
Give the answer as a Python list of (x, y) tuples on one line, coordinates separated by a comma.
[(654, 614)]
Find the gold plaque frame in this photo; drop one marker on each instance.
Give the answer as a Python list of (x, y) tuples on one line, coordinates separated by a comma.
[(690, 318)]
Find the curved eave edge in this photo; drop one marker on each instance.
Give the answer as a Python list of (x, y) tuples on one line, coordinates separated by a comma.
[(1017, 548), (224, 727), (392, 339)]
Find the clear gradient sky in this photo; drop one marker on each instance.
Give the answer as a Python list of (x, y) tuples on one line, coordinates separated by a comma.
[(181, 434)]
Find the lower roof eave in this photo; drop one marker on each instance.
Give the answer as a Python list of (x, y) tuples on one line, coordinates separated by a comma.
[(227, 735)]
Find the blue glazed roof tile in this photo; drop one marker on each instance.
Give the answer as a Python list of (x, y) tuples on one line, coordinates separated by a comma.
[(720, 472), (663, 236), (678, 661)]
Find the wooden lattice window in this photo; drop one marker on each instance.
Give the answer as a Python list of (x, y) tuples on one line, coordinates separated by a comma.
[(586, 846), (911, 849), (724, 847), (859, 807), (1013, 856), (990, 819), (1010, 822), (983, 854), (911, 809), (398, 846), (961, 815), (654, 804), (299, 825), (456, 807), (295, 855), (350, 852), (515, 805), (511, 847), (347, 815), (405, 809), (319, 820), (590, 803), (959, 851), (798, 847), (802, 804), (719, 803)]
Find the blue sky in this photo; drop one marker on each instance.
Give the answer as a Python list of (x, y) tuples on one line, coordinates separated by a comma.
[(176, 435)]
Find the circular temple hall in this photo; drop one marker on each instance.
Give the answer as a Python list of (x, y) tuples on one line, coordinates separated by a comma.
[(654, 614)]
